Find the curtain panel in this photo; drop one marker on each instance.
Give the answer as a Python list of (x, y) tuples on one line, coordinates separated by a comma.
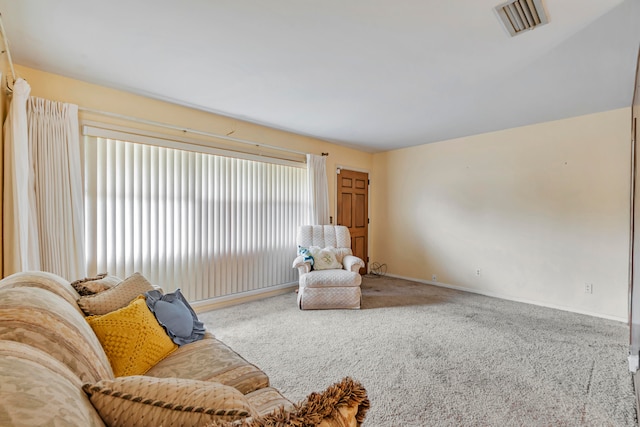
[(20, 227), (54, 141), (318, 190), (43, 217)]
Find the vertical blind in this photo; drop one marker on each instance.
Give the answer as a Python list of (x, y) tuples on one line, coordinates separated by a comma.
[(208, 224)]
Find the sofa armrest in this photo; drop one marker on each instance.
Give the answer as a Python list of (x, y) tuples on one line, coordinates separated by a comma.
[(352, 263), (302, 265)]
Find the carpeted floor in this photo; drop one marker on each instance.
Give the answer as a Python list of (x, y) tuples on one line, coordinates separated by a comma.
[(432, 356)]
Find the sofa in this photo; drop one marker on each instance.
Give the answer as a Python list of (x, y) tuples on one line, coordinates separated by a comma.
[(62, 367)]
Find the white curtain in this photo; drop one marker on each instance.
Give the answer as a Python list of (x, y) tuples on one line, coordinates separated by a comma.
[(318, 190), (44, 213), (55, 146), (20, 240)]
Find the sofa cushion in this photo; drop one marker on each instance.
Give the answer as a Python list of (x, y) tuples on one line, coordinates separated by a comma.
[(176, 316), (38, 390), (211, 360), (268, 399), (95, 285), (132, 338), (47, 322), (41, 279), (343, 404), (115, 298), (126, 401)]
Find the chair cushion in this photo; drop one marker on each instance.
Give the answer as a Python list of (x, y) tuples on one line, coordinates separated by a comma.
[(337, 236), (330, 279)]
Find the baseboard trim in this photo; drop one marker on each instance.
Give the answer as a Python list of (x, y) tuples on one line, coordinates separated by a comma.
[(511, 298), (636, 386), (234, 299)]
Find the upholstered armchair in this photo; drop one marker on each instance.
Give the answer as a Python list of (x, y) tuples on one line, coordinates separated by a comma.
[(329, 272)]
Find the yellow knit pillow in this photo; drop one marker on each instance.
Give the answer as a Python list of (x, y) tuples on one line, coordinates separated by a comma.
[(132, 338)]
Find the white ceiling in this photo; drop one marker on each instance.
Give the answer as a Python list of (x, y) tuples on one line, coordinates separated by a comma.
[(369, 74)]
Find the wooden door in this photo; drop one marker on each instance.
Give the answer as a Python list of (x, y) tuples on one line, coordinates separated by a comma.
[(353, 210)]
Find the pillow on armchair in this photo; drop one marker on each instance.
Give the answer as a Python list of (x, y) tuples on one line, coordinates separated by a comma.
[(324, 258)]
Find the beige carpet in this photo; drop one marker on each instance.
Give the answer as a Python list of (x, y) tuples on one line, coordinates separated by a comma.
[(431, 356)]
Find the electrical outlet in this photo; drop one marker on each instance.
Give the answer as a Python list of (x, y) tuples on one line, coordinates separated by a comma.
[(434, 277), (588, 288), (478, 272)]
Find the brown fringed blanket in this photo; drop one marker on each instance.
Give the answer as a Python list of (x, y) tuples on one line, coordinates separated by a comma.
[(343, 404)]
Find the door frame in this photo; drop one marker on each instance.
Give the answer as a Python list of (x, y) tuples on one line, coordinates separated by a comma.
[(335, 204), (634, 235)]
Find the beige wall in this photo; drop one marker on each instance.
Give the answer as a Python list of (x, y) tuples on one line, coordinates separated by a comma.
[(96, 97), (540, 210)]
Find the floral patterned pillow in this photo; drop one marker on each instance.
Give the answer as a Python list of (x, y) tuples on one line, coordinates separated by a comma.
[(324, 259), (340, 253)]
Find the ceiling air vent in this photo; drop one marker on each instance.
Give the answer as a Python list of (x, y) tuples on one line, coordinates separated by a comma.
[(521, 15)]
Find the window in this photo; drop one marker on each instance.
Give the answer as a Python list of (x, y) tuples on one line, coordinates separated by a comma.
[(209, 224)]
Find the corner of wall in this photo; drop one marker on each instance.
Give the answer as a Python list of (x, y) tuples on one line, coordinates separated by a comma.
[(534, 213), (4, 99)]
